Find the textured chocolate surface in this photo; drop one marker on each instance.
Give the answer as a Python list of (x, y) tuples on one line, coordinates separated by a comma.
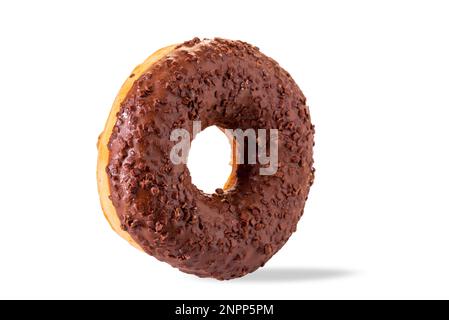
[(228, 234)]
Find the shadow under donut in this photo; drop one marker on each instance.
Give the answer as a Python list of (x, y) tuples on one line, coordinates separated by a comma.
[(293, 274)]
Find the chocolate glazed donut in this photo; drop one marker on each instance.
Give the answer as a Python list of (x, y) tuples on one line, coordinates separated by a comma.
[(152, 202)]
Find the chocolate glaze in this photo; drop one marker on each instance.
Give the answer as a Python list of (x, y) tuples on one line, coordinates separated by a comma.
[(228, 234)]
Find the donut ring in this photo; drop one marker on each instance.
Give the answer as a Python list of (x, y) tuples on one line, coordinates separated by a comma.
[(152, 203)]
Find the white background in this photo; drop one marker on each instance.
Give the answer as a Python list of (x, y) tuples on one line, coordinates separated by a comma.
[(376, 75)]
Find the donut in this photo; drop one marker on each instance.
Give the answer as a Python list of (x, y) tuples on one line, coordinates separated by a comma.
[(151, 201)]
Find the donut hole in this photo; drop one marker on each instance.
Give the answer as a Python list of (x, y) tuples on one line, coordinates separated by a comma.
[(209, 160)]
